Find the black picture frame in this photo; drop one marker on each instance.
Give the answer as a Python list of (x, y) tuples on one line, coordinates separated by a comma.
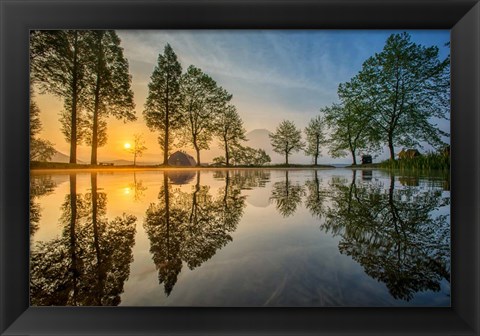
[(17, 17)]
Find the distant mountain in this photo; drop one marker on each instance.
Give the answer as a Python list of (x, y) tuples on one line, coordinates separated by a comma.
[(129, 163), (259, 138), (62, 158)]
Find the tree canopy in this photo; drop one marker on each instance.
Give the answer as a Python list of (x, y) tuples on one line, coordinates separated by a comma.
[(162, 111), (405, 86), (286, 139)]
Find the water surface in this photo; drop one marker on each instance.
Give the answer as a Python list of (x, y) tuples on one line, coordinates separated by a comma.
[(336, 237)]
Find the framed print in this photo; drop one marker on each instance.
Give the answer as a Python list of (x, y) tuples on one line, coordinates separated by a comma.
[(228, 167)]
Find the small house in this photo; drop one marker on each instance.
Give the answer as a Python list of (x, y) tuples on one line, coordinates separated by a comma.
[(408, 154), (180, 158)]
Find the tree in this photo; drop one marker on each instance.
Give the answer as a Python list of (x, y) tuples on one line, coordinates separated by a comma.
[(247, 156), (110, 87), (350, 130), (162, 111), (138, 147), (315, 137), (201, 100), (286, 139), (59, 61), (40, 149), (229, 128), (405, 86)]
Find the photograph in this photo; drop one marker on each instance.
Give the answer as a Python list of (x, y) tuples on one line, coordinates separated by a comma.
[(240, 168)]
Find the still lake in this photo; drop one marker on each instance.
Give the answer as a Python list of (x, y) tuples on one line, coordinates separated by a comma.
[(333, 237)]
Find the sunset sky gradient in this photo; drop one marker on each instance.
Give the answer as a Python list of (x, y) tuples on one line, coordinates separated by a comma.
[(273, 75)]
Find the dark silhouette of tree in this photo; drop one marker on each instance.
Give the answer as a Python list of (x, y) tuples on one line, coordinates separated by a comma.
[(393, 234), (59, 65), (90, 262), (163, 223), (138, 147), (162, 111), (190, 226), (287, 196), (40, 185), (40, 149), (110, 88)]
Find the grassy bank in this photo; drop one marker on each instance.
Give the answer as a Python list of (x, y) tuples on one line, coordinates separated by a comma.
[(35, 165), (425, 162)]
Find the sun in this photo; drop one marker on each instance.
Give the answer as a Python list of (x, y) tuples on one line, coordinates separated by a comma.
[(127, 146)]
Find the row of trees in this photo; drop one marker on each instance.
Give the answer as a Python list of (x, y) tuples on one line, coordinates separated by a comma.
[(88, 71), (394, 100), (191, 109)]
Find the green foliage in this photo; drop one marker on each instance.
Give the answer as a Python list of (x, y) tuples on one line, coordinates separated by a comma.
[(405, 86), (162, 110), (248, 156), (286, 139), (40, 150), (202, 101), (109, 88), (59, 64), (229, 128), (315, 135), (425, 162)]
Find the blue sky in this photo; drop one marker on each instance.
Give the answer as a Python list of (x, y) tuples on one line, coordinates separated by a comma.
[(272, 74)]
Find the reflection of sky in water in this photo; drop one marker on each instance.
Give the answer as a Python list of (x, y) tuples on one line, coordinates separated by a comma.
[(279, 254)]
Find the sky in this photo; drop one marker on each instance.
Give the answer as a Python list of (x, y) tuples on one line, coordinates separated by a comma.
[(273, 75)]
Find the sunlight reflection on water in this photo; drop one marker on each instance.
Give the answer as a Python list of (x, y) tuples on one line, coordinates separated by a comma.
[(254, 237)]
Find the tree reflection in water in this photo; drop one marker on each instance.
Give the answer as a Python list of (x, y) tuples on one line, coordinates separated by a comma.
[(287, 196), (316, 196), (190, 226), (90, 262), (39, 186), (393, 233)]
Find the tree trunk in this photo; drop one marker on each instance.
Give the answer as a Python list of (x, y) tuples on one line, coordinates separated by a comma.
[(96, 240), (286, 158), (98, 84), (198, 152), (391, 148), (354, 158), (316, 160), (135, 157), (227, 154), (73, 239), (165, 144), (73, 128)]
